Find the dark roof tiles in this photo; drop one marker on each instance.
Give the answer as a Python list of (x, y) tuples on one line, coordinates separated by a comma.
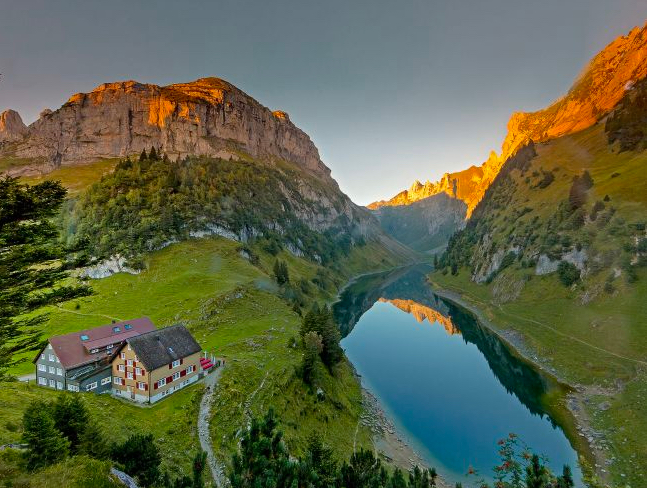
[(163, 346)]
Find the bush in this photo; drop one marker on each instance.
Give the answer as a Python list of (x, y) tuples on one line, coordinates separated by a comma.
[(568, 273)]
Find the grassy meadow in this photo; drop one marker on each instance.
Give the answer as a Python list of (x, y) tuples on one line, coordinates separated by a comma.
[(234, 310)]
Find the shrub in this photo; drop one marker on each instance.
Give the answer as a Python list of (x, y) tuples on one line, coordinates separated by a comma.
[(568, 273)]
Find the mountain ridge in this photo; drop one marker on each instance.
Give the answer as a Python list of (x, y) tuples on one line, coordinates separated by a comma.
[(208, 116), (595, 92)]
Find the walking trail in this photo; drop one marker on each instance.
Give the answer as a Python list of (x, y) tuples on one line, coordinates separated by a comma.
[(216, 467)]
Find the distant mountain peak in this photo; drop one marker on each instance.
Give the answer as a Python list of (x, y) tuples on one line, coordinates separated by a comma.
[(596, 91)]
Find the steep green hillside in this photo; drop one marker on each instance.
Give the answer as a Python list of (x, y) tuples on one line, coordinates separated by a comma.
[(235, 310), (142, 205), (554, 256)]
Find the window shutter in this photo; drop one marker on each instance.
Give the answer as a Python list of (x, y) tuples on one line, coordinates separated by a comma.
[(169, 379), (170, 365), (181, 361), (183, 373), (145, 386), (155, 385)]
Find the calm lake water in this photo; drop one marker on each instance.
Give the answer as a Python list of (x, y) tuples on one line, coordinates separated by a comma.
[(452, 387)]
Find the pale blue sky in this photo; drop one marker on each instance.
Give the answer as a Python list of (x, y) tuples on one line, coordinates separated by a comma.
[(390, 91)]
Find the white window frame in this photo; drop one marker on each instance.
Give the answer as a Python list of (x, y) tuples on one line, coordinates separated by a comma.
[(106, 380), (52, 370), (161, 383), (94, 351), (190, 369), (117, 381), (138, 371), (73, 387), (52, 358), (42, 367), (129, 362), (52, 384), (141, 386), (129, 375), (59, 385), (121, 367), (122, 355), (42, 381), (91, 386), (176, 363), (176, 376), (59, 371)]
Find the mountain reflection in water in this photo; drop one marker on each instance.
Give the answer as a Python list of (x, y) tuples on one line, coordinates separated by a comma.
[(450, 398)]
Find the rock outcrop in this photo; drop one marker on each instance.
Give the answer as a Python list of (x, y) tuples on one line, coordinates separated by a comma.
[(208, 116), (12, 127), (599, 88)]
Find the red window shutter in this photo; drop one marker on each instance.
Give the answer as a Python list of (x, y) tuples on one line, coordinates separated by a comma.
[(181, 361), (169, 379), (183, 373), (155, 386), (170, 365), (145, 386)]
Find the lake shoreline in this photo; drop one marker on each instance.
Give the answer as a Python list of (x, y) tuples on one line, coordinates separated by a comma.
[(390, 444), (575, 400)]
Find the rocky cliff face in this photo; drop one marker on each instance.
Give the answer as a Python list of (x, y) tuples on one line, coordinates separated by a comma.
[(594, 94), (599, 88), (208, 116), (12, 127)]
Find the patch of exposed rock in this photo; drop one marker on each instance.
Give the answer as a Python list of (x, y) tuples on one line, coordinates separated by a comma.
[(108, 267)]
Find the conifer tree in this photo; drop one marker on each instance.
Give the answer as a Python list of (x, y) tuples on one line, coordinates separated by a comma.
[(143, 156), (312, 347), (537, 476), (46, 444), (281, 273), (71, 418), (140, 457), (31, 263), (152, 155)]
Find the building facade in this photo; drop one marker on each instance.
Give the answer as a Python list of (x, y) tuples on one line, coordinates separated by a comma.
[(81, 361), (151, 366)]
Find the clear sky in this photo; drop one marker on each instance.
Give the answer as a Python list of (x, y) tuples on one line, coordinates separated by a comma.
[(390, 91)]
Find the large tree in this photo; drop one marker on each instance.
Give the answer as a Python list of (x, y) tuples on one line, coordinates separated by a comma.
[(46, 444), (32, 264)]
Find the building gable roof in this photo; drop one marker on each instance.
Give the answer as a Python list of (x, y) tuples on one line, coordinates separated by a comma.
[(74, 349), (163, 346)]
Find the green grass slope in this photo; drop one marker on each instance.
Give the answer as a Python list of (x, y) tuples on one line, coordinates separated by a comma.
[(591, 333), (235, 311)]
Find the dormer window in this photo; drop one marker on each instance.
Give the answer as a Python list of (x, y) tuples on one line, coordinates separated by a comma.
[(109, 346), (94, 351), (116, 330), (128, 326), (84, 337)]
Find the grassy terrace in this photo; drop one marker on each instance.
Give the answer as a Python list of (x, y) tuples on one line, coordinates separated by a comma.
[(233, 309)]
